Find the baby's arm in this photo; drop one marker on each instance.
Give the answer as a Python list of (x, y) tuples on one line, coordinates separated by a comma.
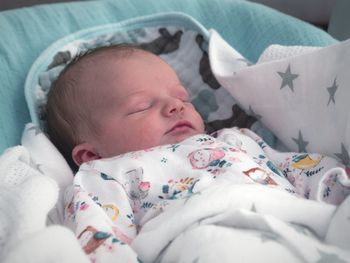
[(314, 176), (98, 211)]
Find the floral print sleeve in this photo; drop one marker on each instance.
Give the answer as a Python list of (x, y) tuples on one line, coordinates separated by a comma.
[(314, 176), (103, 224)]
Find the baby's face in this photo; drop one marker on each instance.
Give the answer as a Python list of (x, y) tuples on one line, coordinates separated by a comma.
[(142, 104)]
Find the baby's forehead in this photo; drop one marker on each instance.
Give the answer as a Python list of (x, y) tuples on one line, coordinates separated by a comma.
[(112, 53), (105, 55), (91, 61), (114, 69)]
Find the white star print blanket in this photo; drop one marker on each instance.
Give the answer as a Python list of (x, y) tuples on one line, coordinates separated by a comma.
[(300, 93)]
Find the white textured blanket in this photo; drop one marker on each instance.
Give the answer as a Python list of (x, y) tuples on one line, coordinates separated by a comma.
[(246, 223), (26, 197)]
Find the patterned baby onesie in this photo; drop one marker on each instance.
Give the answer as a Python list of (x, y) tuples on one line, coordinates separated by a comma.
[(112, 198)]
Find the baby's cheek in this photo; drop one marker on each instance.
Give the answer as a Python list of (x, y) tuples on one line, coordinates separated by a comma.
[(197, 121), (146, 139)]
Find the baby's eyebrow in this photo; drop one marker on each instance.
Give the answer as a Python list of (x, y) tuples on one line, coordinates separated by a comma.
[(136, 94), (134, 99)]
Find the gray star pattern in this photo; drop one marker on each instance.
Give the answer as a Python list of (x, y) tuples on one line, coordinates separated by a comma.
[(287, 78), (252, 113), (328, 257), (301, 143), (331, 91), (344, 155)]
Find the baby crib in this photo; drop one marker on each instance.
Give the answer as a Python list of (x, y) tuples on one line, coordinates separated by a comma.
[(44, 34)]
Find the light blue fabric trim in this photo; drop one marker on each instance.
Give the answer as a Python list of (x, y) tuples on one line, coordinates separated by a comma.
[(176, 19)]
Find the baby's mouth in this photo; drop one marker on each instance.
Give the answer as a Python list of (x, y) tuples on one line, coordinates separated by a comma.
[(180, 126)]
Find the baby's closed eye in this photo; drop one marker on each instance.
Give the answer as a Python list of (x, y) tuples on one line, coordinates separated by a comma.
[(140, 107)]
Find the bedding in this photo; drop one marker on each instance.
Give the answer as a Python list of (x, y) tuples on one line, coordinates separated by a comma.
[(217, 225), (27, 194)]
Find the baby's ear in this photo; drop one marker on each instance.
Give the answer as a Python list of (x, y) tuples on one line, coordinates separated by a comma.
[(83, 153)]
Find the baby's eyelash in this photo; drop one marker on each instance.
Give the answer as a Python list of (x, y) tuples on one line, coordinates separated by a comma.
[(140, 109)]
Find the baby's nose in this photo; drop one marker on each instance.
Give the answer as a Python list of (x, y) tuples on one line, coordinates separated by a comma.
[(173, 106)]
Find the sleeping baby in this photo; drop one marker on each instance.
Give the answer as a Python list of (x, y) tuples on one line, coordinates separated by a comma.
[(121, 115)]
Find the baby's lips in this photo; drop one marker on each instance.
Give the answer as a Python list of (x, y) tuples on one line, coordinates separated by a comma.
[(182, 123)]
